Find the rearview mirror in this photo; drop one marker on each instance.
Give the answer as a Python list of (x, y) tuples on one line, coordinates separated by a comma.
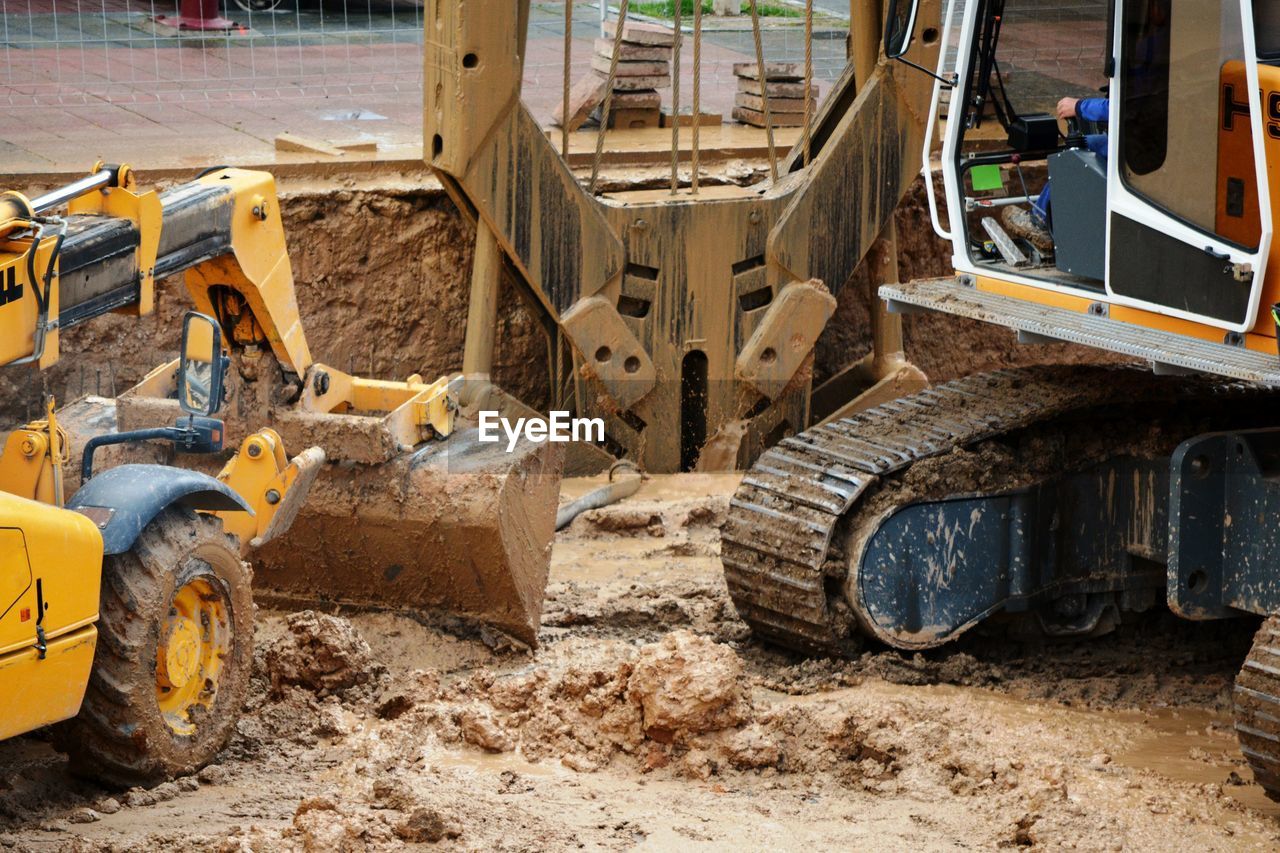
[(201, 366), (899, 25)]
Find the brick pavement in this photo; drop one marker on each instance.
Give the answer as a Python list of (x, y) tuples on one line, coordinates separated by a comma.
[(100, 82)]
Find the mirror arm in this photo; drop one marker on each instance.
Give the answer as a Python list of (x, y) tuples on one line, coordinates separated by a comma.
[(950, 83), (174, 434)]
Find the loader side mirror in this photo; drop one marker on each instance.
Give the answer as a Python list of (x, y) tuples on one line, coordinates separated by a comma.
[(202, 365), (899, 25)]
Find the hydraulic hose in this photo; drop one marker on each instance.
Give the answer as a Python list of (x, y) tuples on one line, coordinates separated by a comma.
[(626, 484)]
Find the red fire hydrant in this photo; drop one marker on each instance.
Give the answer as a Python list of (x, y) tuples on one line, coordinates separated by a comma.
[(197, 15)]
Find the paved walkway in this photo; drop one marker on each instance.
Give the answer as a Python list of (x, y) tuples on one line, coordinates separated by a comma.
[(80, 85)]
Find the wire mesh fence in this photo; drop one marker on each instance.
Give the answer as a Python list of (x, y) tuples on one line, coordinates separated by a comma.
[(73, 52)]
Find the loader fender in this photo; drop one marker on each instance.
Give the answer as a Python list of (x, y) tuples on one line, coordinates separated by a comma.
[(123, 500)]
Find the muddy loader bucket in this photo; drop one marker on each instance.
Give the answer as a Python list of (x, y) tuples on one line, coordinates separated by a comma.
[(455, 526)]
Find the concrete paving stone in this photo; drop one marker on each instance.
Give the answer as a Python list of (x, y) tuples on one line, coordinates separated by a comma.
[(756, 118), (631, 69), (772, 70), (775, 89), (643, 34), (631, 84), (632, 52), (584, 96), (776, 105)]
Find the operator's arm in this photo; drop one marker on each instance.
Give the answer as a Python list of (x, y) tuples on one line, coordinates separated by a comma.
[(1089, 109), (1094, 109)]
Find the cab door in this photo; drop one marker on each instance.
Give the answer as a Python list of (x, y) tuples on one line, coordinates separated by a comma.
[(1189, 208), (17, 592)]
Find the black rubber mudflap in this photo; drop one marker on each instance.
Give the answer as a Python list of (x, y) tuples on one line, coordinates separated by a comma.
[(1257, 707)]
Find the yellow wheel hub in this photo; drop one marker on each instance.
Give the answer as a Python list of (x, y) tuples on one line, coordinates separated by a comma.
[(194, 640)]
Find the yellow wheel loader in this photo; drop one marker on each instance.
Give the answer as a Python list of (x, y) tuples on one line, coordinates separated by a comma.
[(409, 509), (1053, 501), (126, 611)]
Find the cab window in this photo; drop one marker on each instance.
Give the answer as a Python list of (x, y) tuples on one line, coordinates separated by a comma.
[(1185, 138)]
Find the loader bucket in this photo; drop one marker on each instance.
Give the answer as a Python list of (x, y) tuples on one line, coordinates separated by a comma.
[(455, 526)]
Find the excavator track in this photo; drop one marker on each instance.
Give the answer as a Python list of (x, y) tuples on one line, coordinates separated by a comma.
[(1257, 707), (782, 543)]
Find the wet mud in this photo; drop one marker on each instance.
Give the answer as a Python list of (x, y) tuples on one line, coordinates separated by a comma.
[(648, 717)]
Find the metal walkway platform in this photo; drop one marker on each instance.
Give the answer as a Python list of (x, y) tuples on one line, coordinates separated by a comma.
[(1167, 352)]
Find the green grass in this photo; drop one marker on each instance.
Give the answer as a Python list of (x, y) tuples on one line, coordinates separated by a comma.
[(667, 9)]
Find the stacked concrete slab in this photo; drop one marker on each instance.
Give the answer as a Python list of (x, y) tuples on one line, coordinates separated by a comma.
[(783, 82), (644, 67)]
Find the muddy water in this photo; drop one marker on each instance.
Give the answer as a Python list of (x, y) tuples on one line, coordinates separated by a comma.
[(1198, 747)]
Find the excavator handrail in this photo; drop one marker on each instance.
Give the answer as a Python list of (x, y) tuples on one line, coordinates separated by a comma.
[(926, 167)]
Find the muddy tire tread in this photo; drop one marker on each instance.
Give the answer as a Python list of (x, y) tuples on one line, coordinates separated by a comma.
[(121, 683)]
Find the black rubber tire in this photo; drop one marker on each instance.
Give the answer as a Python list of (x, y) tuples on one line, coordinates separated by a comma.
[(120, 736), (1257, 707)]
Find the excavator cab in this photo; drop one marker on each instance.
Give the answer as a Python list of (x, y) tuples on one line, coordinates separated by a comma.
[(1161, 218)]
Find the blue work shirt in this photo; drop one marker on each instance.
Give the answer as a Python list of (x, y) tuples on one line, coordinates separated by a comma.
[(1095, 110), (1089, 109)]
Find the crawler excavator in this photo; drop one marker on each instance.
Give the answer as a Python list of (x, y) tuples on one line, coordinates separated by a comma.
[(1054, 500)]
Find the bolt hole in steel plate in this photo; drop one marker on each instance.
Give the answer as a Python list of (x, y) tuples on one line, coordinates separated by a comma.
[(194, 640), (632, 364), (1200, 467), (603, 354)]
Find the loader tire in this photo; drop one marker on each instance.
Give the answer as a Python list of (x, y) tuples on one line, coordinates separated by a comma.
[(1257, 708), (175, 649)]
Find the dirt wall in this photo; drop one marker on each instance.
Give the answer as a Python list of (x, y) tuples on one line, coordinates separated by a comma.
[(382, 277)]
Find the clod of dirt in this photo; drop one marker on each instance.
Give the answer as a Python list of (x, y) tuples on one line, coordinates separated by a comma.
[(320, 826), (751, 748), (394, 706), (107, 805), (426, 824), (214, 774), (138, 797), (687, 685), (321, 653), (479, 728), (626, 520), (334, 823), (393, 794)]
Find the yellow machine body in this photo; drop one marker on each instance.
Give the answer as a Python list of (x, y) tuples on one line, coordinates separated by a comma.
[(19, 311), (50, 570)]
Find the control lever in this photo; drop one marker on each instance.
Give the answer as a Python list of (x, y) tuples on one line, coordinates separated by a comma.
[(1075, 133), (1017, 166)]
